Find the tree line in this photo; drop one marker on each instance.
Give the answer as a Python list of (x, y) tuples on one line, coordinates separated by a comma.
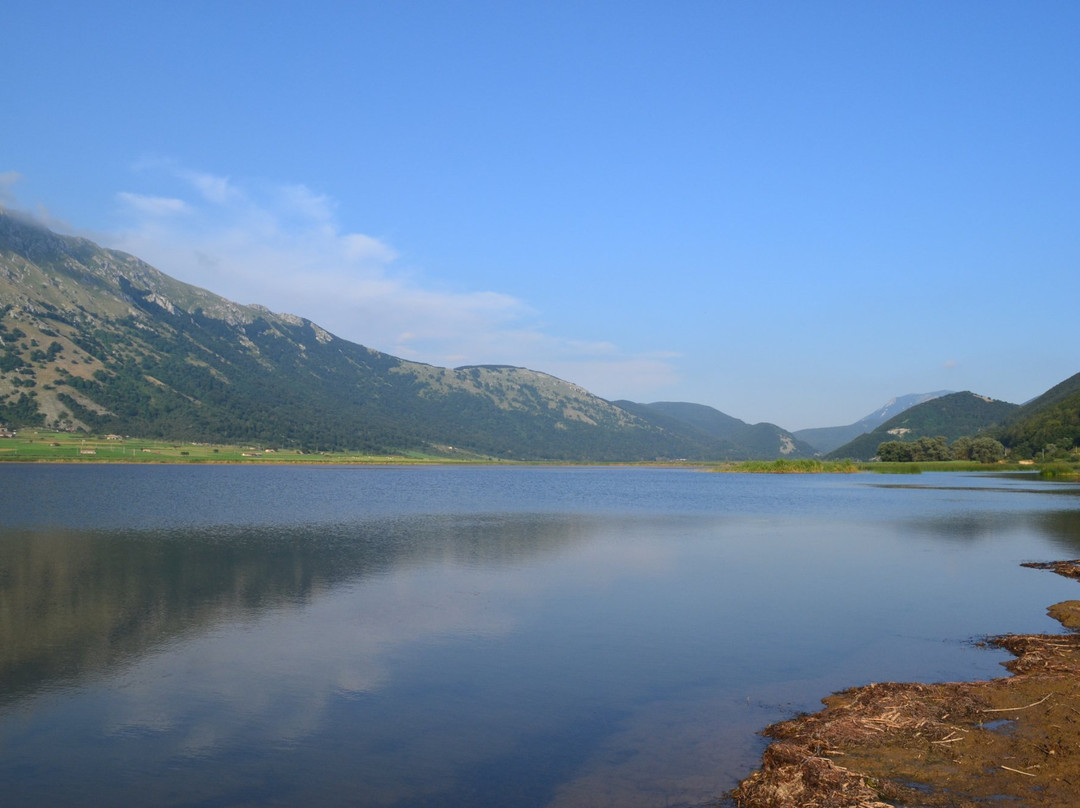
[(978, 450)]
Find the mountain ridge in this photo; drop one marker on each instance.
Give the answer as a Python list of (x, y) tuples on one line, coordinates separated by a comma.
[(762, 441), (826, 439), (951, 416), (1050, 419), (96, 339)]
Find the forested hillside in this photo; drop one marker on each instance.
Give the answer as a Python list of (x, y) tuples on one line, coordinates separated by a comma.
[(97, 340), (952, 416), (1051, 420), (738, 439), (825, 439)]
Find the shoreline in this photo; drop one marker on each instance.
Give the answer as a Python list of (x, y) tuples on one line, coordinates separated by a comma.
[(958, 744)]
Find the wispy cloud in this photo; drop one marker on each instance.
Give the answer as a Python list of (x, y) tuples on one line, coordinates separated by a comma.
[(153, 205), (38, 213), (7, 180), (281, 245), (213, 189)]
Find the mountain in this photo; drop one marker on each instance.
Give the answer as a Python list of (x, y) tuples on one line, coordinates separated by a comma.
[(95, 339), (1052, 418), (825, 439), (739, 440), (951, 416)]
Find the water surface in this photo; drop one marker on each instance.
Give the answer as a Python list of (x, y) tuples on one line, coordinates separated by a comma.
[(220, 636)]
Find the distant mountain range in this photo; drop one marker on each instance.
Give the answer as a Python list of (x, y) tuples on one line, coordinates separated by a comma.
[(94, 339), (740, 440), (825, 439), (950, 416), (97, 340)]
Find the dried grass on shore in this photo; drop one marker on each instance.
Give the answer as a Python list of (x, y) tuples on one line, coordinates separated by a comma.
[(957, 744)]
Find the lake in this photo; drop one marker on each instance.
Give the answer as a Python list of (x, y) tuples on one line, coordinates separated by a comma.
[(479, 636)]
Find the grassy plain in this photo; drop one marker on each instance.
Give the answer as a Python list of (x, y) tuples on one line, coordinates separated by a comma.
[(42, 445), (814, 466), (800, 466), (942, 465)]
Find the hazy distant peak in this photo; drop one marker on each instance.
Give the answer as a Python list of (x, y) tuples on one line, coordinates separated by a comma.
[(895, 406), (827, 438)]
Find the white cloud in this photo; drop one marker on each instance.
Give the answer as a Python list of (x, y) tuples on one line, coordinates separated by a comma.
[(361, 247), (153, 205), (306, 202), (213, 189), (282, 246), (7, 180), (38, 213)]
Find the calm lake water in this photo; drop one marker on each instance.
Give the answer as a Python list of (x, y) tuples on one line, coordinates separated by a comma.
[(231, 636)]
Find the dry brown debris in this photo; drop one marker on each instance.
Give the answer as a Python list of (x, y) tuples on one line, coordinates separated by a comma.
[(792, 775), (960, 744), (1070, 569)]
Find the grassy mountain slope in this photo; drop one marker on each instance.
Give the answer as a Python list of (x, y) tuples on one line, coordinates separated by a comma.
[(741, 441), (825, 439), (1052, 418), (716, 447), (96, 339), (708, 419), (951, 416)]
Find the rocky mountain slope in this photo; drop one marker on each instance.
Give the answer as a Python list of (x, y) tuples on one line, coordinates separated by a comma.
[(98, 340), (94, 339)]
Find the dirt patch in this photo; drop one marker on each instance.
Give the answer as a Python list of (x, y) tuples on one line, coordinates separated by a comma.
[(1010, 741), (1070, 569), (1067, 613)]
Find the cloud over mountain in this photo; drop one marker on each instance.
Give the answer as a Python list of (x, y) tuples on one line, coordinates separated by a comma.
[(283, 246)]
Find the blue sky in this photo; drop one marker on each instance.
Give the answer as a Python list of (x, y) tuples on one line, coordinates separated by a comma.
[(788, 211)]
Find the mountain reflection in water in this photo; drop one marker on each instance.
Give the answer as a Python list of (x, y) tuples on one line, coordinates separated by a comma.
[(77, 602)]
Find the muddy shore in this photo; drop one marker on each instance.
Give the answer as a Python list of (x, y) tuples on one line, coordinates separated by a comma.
[(1008, 741)]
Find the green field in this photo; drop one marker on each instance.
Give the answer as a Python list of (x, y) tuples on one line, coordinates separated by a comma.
[(798, 466), (40, 445), (812, 466), (31, 445), (943, 465)]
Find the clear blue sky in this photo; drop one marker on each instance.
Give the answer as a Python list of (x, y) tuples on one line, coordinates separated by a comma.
[(788, 211)]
